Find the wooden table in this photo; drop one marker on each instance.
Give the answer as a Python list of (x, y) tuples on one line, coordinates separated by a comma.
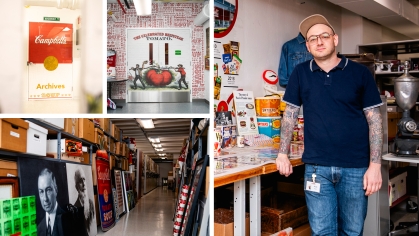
[(239, 180)]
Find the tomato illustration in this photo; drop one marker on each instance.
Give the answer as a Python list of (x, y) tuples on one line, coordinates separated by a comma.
[(159, 78)]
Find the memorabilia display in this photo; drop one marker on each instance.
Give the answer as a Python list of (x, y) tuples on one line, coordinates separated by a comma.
[(119, 191), (17, 217), (105, 197)]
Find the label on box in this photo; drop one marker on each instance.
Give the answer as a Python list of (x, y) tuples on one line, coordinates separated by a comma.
[(14, 134)]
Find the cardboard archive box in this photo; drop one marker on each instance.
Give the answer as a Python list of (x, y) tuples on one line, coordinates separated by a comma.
[(36, 140), (71, 126), (397, 187), (224, 222), (86, 130), (8, 167), (13, 134), (104, 124), (99, 136), (115, 132)]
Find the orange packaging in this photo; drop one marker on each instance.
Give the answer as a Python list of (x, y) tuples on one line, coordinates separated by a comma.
[(267, 106)]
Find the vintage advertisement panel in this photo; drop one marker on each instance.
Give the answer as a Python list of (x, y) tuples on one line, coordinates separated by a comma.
[(105, 193), (50, 60), (159, 59)]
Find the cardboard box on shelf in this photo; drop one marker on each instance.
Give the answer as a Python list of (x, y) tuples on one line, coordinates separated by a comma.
[(99, 136), (397, 187), (118, 148), (392, 120), (224, 224), (86, 130), (36, 140), (8, 167), (71, 126), (115, 132), (13, 134), (104, 124)]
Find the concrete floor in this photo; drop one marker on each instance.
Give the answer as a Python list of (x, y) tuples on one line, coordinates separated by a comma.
[(153, 216), (194, 107)]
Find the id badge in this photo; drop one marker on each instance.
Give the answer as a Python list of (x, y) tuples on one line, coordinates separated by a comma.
[(313, 186)]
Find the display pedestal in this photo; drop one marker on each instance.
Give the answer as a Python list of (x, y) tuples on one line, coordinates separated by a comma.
[(158, 95)]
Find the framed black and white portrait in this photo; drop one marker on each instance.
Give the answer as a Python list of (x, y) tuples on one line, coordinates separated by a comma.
[(80, 189)]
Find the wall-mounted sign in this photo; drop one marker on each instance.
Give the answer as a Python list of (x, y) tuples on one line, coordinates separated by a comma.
[(46, 18), (51, 54), (245, 112)]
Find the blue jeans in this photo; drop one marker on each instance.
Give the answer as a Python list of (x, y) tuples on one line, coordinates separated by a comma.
[(341, 206)]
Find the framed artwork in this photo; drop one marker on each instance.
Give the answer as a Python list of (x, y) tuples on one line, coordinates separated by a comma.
[(9, 187), (47, 180), (194, 190), (119, 191), (80, 189)]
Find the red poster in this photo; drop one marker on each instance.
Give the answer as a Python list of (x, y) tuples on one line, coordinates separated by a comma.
[(50, 39), (105, 193)]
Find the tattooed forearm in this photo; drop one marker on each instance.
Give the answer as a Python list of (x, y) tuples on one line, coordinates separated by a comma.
[(375, 123), (287, 126)]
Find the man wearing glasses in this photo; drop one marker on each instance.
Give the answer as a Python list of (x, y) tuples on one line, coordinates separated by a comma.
[(343, 132)]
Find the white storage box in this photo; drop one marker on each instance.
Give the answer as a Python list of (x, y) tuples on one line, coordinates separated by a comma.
[(397, 186), (36, 140), (55, 122)]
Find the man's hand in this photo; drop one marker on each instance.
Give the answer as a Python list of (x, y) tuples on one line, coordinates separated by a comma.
[(372, 179), (283, 165)]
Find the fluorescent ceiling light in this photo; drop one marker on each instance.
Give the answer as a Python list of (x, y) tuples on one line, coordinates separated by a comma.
[(159, 150), (146, 123), (143, 7), (162, 154), (163, 157), (154, 139), (157, 145)]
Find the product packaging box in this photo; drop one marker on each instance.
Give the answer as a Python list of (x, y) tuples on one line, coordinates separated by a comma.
[(104, 124), (224, 222), (71, 126), (13, 134), (86, 130), (115, 132), (397, 187), (36, 140), (8, 167), (99, 136)]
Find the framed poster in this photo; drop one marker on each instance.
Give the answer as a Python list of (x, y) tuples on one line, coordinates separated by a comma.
[(194, 190), (50, 60), (244, 104), (81, 194), (47, 180), (105, 197), (9, 187), (119, 191), (125, 190)]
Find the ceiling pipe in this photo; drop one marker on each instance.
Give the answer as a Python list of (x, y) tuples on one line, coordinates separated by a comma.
[(203, 16)]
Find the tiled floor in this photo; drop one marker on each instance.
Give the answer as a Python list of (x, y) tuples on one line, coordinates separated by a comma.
[(196, 106), (153, 215)]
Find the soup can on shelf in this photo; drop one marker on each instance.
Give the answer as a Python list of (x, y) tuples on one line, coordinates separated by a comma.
[(271, 127), (267, 106)]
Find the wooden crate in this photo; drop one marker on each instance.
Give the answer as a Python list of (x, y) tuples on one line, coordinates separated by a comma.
[(224, 224), (291, 211)]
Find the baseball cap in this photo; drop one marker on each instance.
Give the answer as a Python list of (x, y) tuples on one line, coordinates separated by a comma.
[(308, 22)]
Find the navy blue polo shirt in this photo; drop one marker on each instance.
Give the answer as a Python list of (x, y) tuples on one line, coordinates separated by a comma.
[(335, 127)]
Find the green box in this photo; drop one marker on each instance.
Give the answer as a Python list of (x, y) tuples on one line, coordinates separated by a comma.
[(32, 205), (7, 209), (17, 225), (25, 225), (33, 222), (16, 207), (8, 227)]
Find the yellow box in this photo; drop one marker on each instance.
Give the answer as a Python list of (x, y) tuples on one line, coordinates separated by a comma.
[(13, 134)]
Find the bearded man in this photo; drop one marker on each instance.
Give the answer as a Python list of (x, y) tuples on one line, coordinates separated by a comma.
[(83, 199)]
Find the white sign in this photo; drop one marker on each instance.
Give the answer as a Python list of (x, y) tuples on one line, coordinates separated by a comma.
[(244, 104)]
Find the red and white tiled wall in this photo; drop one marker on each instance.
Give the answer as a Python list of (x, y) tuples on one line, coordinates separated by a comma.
[(165, 15)]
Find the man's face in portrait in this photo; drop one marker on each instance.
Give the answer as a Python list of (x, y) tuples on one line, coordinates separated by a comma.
[(47, 192)]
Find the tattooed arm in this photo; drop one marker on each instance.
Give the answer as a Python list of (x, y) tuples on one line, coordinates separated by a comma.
[(289, 118), (372, 178)]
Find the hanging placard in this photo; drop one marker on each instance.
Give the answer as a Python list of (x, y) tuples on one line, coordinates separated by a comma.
[(50, 60), (244, 104)]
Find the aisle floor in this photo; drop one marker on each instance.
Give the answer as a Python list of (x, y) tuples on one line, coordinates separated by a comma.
[(196, 106), (153, 215)]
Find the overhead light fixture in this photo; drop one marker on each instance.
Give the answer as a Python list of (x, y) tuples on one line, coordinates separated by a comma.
[(159, 150), (162, 154), (146, 123), (157, 145), (143, 7), (154, 139), (163, 157)]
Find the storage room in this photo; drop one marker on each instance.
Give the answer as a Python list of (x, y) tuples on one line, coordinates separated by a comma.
[(158, 56), (104, 176), (279, 133), (54, 53)]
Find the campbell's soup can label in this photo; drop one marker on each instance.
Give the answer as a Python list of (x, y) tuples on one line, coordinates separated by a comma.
[(267, 106), (185, 189), (271, 127)]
